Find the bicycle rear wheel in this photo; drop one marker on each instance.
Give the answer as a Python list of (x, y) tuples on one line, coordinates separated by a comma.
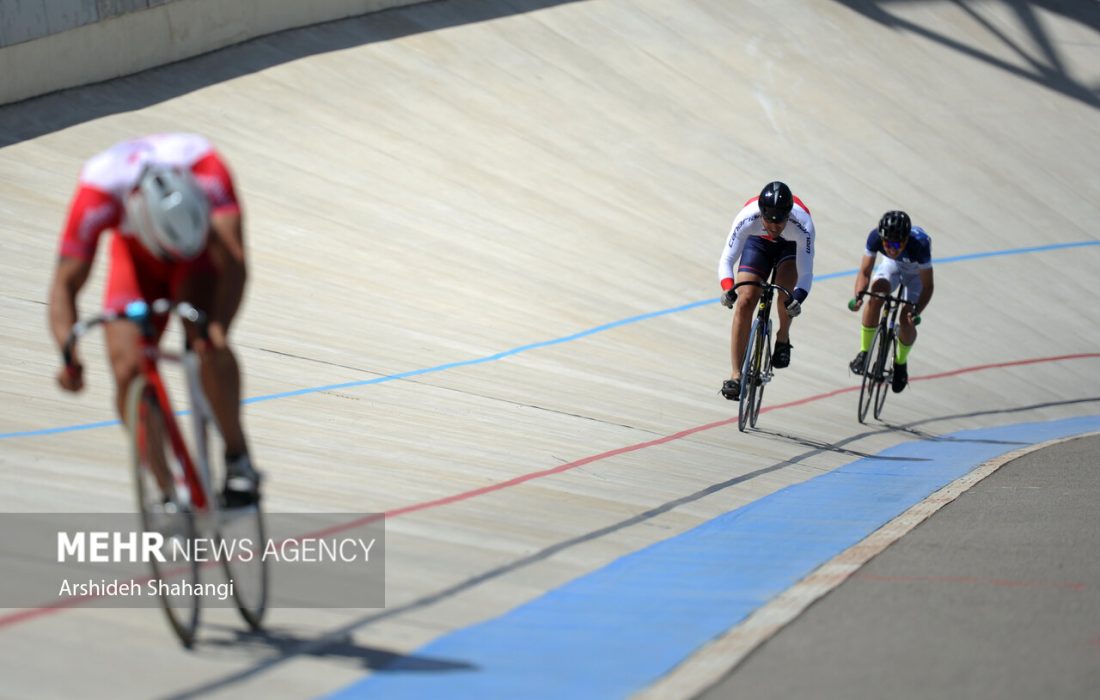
[(157, 469), (887, 373), (764, 367), (749, 369), (872, 374)]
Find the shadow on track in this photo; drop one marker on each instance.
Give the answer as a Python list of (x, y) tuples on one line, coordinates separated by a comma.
[(912, 429), (339, 636), (995, 412), (1043, 64), (836, 447), (36, 116), (284, 643)]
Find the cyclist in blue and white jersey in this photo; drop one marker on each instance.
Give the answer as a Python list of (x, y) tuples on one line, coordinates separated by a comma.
[(907, 260)]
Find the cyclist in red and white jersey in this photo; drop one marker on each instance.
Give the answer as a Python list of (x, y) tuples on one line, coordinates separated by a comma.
[(171, 203), (772, 231)]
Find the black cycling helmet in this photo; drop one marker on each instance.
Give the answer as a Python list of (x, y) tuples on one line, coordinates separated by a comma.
[(894, 226), (775, 202)]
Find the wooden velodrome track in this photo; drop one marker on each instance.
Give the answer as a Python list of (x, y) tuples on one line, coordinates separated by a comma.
[(518, 208)]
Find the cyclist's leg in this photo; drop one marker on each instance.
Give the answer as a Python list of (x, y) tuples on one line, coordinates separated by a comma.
[(131, 276), (216, 287), (881, 283), (907, 335), (227, 257), (747, 299), (883, 280), (755, 266), (907, 330), (198, 284), (786, 275)]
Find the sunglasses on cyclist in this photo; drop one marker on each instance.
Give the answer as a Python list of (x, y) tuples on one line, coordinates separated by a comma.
[(893, 246)]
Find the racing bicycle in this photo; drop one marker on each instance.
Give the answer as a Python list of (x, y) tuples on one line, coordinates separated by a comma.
[(878, 365), (756, 367), (173, 482)]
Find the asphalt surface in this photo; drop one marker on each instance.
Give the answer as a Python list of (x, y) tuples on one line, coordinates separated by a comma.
[(995, 596)]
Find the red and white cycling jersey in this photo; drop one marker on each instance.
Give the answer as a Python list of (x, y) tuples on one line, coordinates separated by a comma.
[(99, 204), (749, 223), (107, 178)]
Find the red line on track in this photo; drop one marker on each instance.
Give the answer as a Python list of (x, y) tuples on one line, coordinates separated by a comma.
[(64, 604)]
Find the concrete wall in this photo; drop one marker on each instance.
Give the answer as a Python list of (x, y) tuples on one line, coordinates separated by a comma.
[(55, 44), (27, 20)]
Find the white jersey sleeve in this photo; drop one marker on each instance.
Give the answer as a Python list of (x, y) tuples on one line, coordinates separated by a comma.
[(735, 242), (804, 253)]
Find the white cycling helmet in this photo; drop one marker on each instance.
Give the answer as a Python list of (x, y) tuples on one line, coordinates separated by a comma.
[(170, 213)]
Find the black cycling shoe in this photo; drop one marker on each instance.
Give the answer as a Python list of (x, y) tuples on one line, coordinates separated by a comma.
[(242, 484), (901, 378), (856, 365), (731, 389), (781, 357)]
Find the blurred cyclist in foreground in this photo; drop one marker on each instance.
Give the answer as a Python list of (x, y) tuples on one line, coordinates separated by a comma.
[(171, 202)]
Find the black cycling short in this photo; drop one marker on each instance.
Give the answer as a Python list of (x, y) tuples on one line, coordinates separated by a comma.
[(761, 255)]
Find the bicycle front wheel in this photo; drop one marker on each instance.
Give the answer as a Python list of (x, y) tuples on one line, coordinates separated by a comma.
[(883, 388), (749, 371), (872, 374), (763, 363), (157, 470)]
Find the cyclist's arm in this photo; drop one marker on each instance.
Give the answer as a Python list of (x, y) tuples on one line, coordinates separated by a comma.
[(925, 271), (228, 255), (870, 251), (226, 247), (91, 212), (69, 276), (804, 262), (926, 287), (863, 274), (735, 244)]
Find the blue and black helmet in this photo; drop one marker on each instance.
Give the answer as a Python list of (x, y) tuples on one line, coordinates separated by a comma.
[(894, 226)]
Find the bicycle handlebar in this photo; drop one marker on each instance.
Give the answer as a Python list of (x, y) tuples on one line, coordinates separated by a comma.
[(139, 312), (884, 297), (764, 285)]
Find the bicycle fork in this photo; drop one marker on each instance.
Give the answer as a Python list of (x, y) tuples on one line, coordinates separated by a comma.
[(888, 348), (765, 349), (202, 415)]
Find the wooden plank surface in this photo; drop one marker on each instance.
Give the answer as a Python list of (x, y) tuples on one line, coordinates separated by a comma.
[(439, 184)]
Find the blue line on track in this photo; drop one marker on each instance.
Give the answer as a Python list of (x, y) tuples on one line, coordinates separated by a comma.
[(616, 630), (535, 346)]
